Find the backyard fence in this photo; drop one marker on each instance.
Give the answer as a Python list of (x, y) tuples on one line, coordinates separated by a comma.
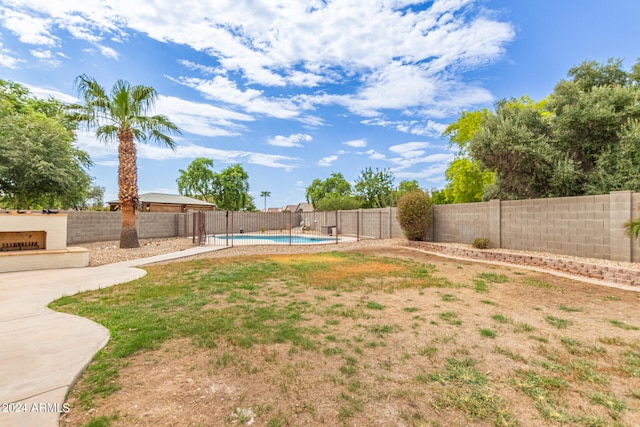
[(230, 228), (585, 226)]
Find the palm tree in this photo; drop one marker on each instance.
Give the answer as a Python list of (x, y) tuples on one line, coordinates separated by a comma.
[(265, 194), (122, 116)]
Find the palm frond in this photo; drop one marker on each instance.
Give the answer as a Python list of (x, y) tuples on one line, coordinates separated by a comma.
[(107, 133), (125, 107), (145, 97), (633, 228)]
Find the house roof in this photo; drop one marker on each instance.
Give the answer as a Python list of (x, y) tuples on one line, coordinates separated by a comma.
[(172, 199), (305, 207)]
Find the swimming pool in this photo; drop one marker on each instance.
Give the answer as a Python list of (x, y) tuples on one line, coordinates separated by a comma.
[(257, 239)]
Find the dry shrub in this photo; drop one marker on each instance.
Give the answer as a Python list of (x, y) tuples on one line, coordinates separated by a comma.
[(414, 215)]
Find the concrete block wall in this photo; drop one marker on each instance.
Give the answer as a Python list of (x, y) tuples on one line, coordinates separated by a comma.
[(157, 225), (379, 223), (566, 225), (92, 227), (461, 223), (89, 226), (585, 226)]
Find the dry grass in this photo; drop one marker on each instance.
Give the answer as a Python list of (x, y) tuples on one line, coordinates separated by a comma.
[(382, 337)]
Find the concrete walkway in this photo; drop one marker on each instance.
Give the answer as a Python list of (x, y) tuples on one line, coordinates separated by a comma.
[(43, 352)]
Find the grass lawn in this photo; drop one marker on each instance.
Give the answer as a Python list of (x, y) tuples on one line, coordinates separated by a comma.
[(383, 337)]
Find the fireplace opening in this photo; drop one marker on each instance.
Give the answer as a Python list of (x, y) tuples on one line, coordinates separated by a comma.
[(22, 240)]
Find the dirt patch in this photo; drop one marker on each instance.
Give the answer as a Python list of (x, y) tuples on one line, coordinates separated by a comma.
[(388, 357)]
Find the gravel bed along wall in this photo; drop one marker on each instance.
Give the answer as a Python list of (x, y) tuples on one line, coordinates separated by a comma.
[(615, 272)]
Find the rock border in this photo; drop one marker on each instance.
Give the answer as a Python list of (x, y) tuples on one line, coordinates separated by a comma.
[(593, 270)]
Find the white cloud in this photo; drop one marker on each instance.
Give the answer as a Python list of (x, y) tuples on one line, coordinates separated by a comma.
[(356, 143), (46, 57), (29, 29), (204, 69), (108, 163), (201, 118), (43, 93), (327, 161), (7, 59), (401, 55), (108, 52), (409, 149), (373, 154), (289, 141), (432, 174), (414, 127), (189, 151), (251, 100)]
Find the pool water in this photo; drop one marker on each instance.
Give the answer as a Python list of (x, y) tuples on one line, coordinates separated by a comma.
[(279, 239)]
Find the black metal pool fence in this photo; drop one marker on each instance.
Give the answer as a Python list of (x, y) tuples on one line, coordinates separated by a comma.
[(232, 228)]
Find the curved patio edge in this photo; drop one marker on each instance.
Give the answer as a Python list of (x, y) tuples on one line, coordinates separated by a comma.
[(43, 352)]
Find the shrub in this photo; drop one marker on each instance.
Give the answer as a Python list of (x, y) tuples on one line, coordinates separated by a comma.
[(414, 215), (480, 243)]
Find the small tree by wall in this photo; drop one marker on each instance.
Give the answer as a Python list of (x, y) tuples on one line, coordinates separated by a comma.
[(414, 215)]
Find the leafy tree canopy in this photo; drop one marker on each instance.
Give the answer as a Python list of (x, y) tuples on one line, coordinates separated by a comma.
[(197, 181), (334, 185), (231, 189), (581, 139), (375, 188), (39, 166)]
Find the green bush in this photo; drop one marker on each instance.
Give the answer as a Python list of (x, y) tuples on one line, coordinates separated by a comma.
[(414, 215), (480, 243)]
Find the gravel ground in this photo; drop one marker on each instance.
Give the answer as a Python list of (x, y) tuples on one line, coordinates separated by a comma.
[(110, 252)]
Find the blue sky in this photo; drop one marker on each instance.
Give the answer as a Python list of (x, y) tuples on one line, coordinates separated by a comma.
[(295, 90)]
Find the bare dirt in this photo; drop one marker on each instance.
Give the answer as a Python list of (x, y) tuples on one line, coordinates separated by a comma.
[(181, 384)]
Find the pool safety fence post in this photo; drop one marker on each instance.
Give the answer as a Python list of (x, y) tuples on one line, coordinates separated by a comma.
[(226, 228), (290, 226), (336, 227), (358, 224)]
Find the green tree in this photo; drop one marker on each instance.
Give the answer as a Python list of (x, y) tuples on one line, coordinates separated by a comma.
[(231, 189), (122, 115), (197, 181), (466, 180), (618, 166), (462, 130), (336, 202), (265, 194), (594, 111), (94, 199), (250, 204), (517, 143), (39, 166), (440, 197), (334, 185), (407, 186), (375, 188)]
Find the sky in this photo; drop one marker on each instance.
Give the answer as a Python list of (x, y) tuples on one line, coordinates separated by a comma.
[(295, 90)]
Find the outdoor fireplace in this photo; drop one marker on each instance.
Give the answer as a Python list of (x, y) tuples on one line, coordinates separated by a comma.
[(34, 241)]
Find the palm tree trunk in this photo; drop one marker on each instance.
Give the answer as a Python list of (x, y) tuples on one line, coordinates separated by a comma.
[(128, 189)]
